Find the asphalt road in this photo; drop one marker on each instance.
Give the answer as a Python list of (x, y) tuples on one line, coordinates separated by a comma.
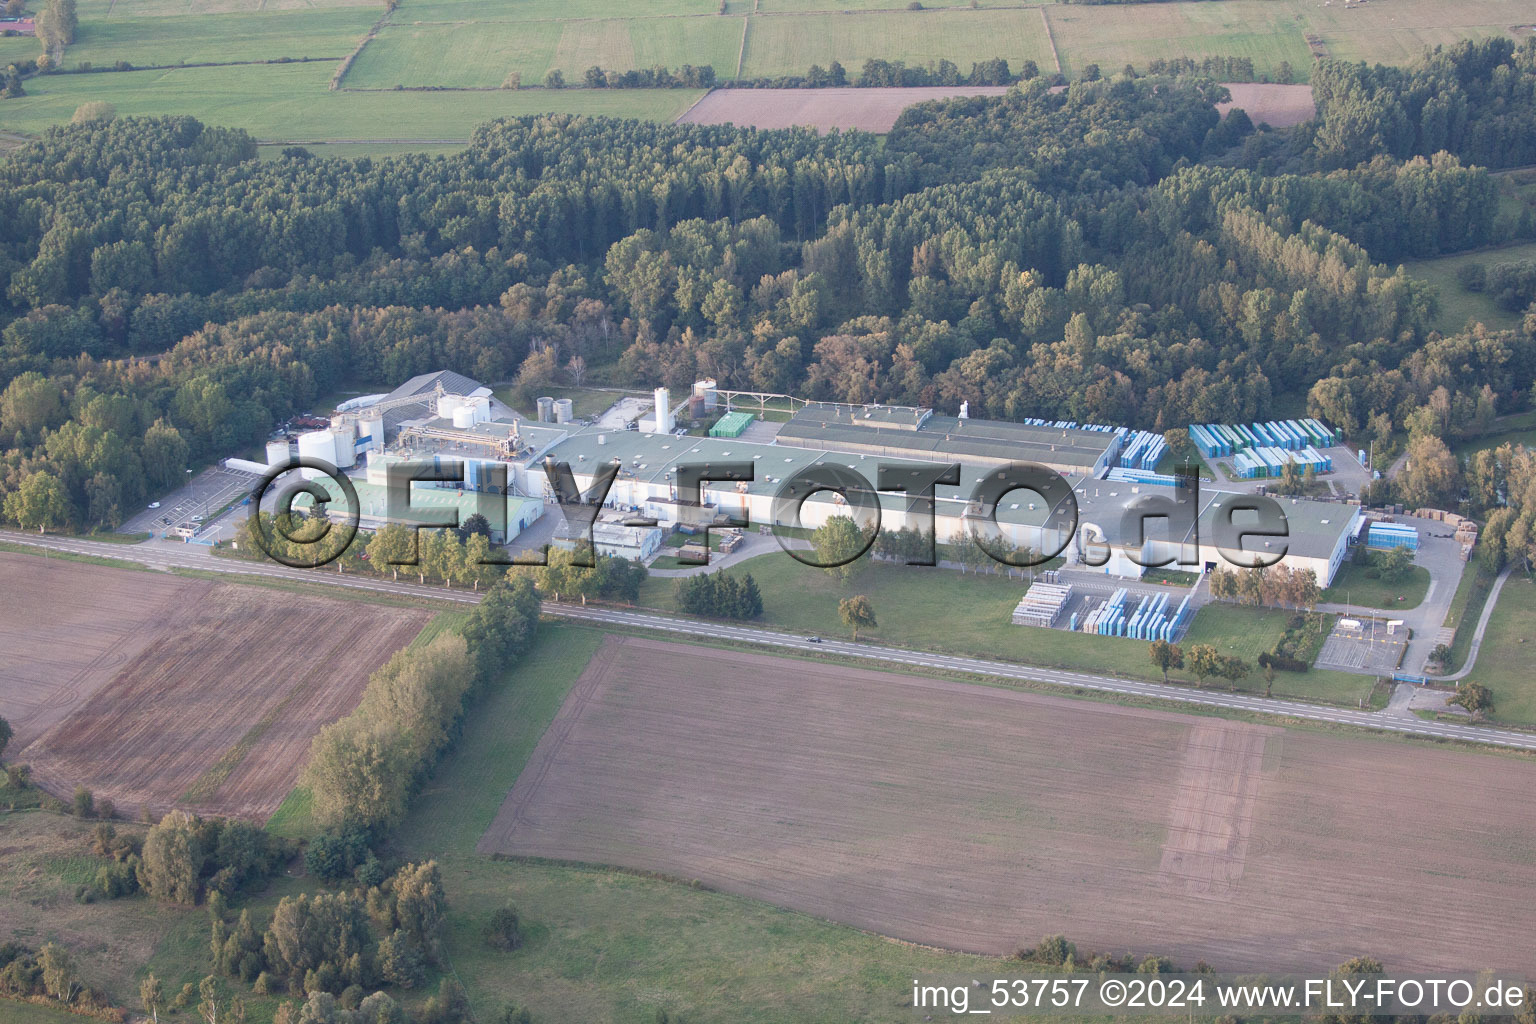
[(167, 556)]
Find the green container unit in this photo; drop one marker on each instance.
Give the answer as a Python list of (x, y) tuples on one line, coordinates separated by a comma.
[(731, 424)]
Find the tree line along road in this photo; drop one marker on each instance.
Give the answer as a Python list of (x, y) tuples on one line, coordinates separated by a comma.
[(166, 557)]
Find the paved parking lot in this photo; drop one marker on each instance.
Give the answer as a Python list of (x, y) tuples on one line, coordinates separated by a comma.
[(1370, 650), (204, 495)]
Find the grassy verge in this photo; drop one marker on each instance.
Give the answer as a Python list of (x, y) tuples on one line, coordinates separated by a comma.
[(440, 623), (119, 538), (1355, 584), (1466, 608), (294, 817), (69, 556), (970, 613), (400, 600), (1504, 659)]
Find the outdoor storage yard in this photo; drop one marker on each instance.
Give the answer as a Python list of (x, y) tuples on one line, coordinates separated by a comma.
[(981, 818), (157, 689)]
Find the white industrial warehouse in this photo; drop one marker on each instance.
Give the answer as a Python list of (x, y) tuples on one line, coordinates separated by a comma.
[(446, 416)]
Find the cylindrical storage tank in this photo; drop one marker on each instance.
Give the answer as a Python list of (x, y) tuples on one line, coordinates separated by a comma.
[(565, 410), (546, 410), (279, 452), (481, 407), (346, 447), (446, 404), (663, 410), (708, 390), (372, 427), (319, 445), (463, 417)]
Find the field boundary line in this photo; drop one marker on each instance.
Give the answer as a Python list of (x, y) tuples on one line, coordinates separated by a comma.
[(1050, 38), (741, 52), (679, 118), (755, 12), (197, 65), (514, 805), (349, 59)]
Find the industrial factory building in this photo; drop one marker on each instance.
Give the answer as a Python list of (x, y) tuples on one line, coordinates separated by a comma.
[(647, 483), (895, 431), (449, 418)]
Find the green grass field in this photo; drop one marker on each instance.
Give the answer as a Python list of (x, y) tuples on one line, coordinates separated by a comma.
[(1399, 31), (1457, 305), (481, 56), (790, 45), (289, 102), (474, 44), (225, 37), (1271, 31), (548, 10), (1265, 31), (1504, 659), (970, 613), (1354, 584)]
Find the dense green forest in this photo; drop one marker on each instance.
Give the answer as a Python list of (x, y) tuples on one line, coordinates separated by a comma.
[(1111, 252)]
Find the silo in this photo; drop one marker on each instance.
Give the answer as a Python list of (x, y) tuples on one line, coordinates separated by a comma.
[(279, 452), (546, 410), (345, 446), (371, 427), (463, 417), (446, 404), (319, 445), (565, 410), (480, 407), (663, 411)]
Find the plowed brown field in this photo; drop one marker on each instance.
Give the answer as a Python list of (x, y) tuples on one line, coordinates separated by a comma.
[(876, 110), (980, 818), (162, 690)]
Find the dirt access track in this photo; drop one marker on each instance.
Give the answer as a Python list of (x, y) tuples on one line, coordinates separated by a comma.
[(154, 689), (979, 818), (876, 110)]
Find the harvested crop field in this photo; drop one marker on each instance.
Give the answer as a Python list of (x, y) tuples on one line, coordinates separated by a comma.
[(1279, 106), (876, 110), (872, 110), (162, 690), (980, 818)]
